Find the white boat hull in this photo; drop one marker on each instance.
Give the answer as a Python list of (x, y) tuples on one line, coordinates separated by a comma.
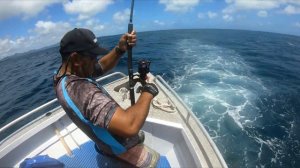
[(178, 135)]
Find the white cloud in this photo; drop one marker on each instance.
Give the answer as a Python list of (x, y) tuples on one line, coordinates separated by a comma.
[(262, 13), (227, 18), (295, 2), (90, 22), (94, 25), (44, 34), (26, 9), (211, 15), (181, 6), (9, 46), (86, 8), (5, 46), (122, 16), (236, 5), (98, 28), (47, 33), (262, 5), (78, 24), (201, 15), (49, 28), (161, 23), (55, 30), (290, 10), (44, 27)]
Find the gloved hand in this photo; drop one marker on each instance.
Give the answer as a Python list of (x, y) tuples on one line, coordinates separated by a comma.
[(150, 88)]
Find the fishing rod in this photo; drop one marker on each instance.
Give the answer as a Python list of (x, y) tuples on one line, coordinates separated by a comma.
[(129, 61)]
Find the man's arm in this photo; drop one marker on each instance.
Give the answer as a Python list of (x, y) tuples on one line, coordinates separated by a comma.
[(127, 123), (110, 60)]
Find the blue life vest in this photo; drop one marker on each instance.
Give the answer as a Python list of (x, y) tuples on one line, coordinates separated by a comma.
[(100, 132)]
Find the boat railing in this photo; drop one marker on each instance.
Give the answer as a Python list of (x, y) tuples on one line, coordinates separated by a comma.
[(159, 78), (196, 120), (27, 115), (49, 104), (110, 76), (101, 79)]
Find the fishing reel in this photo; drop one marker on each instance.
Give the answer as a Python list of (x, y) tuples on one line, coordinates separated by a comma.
[(143, 69)]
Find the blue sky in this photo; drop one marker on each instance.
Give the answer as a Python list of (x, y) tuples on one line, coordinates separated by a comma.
[(32, 24)]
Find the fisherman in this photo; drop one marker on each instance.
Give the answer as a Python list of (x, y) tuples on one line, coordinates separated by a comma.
[(115, 131)]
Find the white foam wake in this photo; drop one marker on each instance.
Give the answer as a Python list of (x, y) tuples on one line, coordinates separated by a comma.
[(219, 87), (216, 84)]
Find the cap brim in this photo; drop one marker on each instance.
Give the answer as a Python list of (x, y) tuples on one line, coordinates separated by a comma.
[(98, 51)]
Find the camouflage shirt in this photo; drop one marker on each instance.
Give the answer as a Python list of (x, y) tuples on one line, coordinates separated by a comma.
[(98, 107)]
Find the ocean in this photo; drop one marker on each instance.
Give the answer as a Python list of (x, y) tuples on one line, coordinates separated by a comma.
[(244, 87)]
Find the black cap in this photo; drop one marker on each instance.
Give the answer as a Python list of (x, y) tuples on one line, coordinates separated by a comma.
[(82, 41)]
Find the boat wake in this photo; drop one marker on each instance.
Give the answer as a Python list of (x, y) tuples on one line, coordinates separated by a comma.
[(217, 83), (229, 100)]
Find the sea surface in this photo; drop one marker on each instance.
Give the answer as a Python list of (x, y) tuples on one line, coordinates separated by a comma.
[(243, 86)]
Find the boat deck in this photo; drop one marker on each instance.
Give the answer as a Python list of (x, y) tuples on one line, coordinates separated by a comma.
[(204, 149), (177, 135), (75, 149), (67, 143)]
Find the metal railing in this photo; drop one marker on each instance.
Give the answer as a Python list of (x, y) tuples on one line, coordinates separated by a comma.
[(110, 75), (51, 103), (28, 114)]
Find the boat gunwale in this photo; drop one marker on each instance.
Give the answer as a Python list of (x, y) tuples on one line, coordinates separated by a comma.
[(185, 118)]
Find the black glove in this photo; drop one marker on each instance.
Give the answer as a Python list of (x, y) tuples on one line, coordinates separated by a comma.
[(150, 88)]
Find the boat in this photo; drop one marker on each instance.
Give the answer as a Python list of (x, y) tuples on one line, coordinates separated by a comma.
[(171, 129)]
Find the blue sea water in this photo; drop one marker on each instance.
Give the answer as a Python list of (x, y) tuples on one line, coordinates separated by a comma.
[(244, 87)]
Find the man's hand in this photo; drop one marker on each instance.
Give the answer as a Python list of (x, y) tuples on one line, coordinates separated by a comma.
[(129, 39)]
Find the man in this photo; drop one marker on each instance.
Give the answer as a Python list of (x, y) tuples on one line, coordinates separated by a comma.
[(113, 129)]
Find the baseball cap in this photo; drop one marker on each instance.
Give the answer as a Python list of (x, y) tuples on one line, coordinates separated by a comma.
[(81, 40)]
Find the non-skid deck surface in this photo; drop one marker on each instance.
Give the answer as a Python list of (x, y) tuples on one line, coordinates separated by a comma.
[(83, 152), (86, 156)]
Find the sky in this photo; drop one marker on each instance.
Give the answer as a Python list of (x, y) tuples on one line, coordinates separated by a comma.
[(32, 24)]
